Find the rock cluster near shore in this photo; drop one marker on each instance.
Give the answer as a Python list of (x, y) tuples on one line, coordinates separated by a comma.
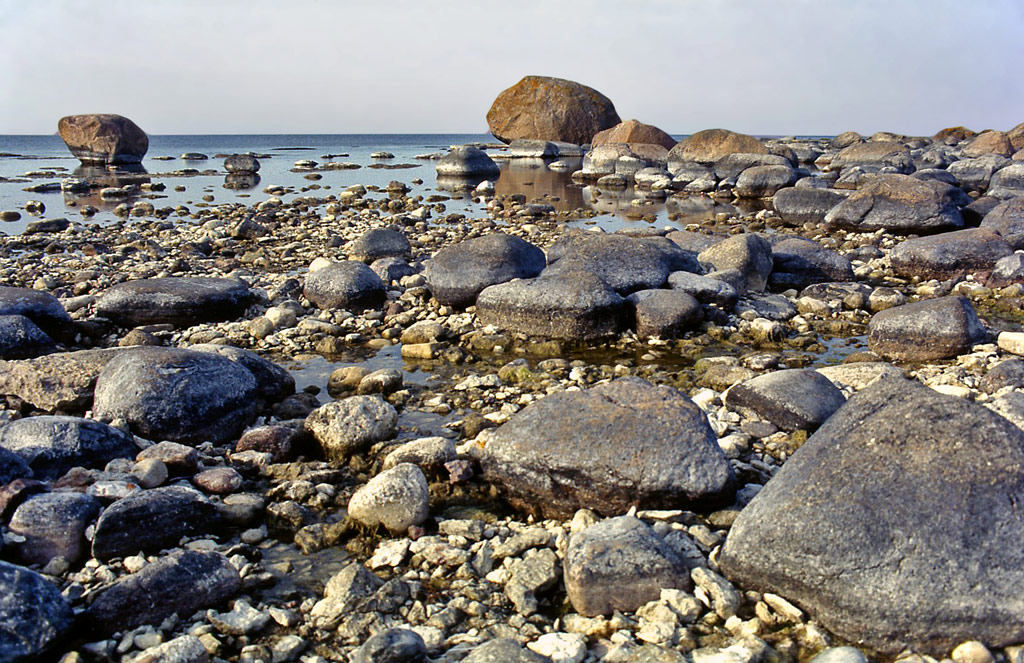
[(631, 446)]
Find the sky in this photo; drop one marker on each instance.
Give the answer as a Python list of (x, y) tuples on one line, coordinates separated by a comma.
[(766, 67)]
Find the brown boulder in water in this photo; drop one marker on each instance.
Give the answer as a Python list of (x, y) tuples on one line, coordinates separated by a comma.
[(710, 145), (634, 131), (545, 108), (103, 138)]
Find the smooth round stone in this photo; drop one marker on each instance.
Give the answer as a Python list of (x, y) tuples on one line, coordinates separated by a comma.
[(342, 427), (52, 445), (1012, 342), (840, 655), (346, 284), (397, 499), (33, 613), (218, 480)]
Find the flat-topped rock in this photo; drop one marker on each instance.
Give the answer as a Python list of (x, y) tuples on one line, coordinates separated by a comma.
[(242, 163), (710, 145), (799, 205), (178, 395), (790, 399), (547, 108), (456, 274), (949, 254), (895, 525), (898, 203), (103, 138), (925, 330), (633, 444), (625, 263), (180, 301), (52, 445), (875, 155), (61, 381), (380, 243)]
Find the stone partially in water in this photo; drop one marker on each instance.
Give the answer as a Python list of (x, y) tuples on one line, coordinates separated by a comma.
[(926, 330), (103, 138), (346, 284), (798, 205), (763, 181), (180, 301), (895, 524), (467, 161), (798, 262), (397, 498), (616, 445), (456, 274), (665, 313), (242, 163)]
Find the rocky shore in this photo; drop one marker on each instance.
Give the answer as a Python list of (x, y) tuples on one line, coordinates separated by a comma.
[(763, 438)]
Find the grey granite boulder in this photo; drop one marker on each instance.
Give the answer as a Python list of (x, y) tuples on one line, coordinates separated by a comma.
[(874, 155), (456, 274), (182, 583), (1007, 373), (763, 181), (1007, 219), (346, 284), (951, 254), (396, 645), (176, 394), (616, 445), (20, 338), (180, 301), (925, 330), (12, 466), (799, 205), (704, 289), (40, 307), (380, 243), (273, 382), (625, 263), (749, 254), (798, 262), (665, 313), (467, 161), (1008, 182), (33, 614), (52, 445), (731, 165), (898, 203), (791, 399), (345, 426), (54, 525), (503, 650), (570, 305), (151, 520), (397, 498), (895, 525), (619, 564), (976, 174), (242, 163)]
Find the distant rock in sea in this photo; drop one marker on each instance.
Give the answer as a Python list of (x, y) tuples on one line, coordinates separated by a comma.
[(103, 138)]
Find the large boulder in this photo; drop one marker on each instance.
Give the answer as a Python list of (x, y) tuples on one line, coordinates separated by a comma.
[(378, 243), (989, 142), (467, 161), (634, 131), (874, 155), (242, 163), (625, 263), (791, 399), (620, 444), (1008, 182), (898, 203), (103, 138), (182, 583), (665, 313), (456, 274), (710, 145), (572, 305), (895, 525), (52, 445), (345, 284), (763, 181), (798, 262), (799, 205), (62, 381), (950, 254), (40, 307), (731, 165), (176, 394), (619, 564), (151, 520), (976, 174), (180, 301), (553, 109), (273, 382), (925, 330), (1007, 219), (33, 614), (749, 254)]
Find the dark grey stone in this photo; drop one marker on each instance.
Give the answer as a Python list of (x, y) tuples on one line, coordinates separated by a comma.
[(665, 313), (773, 307), (467, 161), (345, 284), (52, 445), (182, 583), (180, 301), (731, 165), (152, 520), (895, 525), (704, 289), (20, 338), (626, 264), (53, 525), (40, 307), (33, 614), (242, 163), (396, 645), (852, 294), (1008, 373), (799, 205), (392, 269), (178, 395), (926, 330), (608, 448), (799, 262), (874, 155), (12, 466), (1008, 182), (975, 174), (1008, 269), (693, 242), (951, 254), (380, 243), (570, 305), (40, 226), (457, 274), (763, 181), (273, 382), (790, 399), (747, 253), (898, 203), (1007, 219), (975, 213), (503, 650), (619, 564)]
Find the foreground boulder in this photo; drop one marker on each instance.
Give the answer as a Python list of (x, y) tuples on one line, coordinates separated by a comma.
[(180, 301), (553, 109), (634, 131), (345, 426), (151, 520), (791, 399), (617, 445), (896, 524), (710, 145), (178, 395), (950, 254), (619, 564), (20, 338), (346, 284), (33, 614), (52, 445), (103, 138), (665, 313), (625, 263), (53, 525), (182, 583), (926, 330), (571, 305), (799, 205), (456, 274), (898, 203)]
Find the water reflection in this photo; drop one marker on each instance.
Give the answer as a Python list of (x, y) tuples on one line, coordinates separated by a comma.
[(534, 179), (241, 181), (104, 187)]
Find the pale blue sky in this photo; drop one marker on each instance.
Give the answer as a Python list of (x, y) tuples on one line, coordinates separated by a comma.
[(311, 66)]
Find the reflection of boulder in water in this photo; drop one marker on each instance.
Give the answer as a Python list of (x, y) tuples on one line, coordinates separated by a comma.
[(458, 184), (241, 180), (533, 179), (629, 202), (93, 179), (705, 208)]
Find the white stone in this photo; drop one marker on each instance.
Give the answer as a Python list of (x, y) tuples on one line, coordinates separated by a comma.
[(397, 498), (1012, 342), (560, 647), (972, 651), (389, 553)]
